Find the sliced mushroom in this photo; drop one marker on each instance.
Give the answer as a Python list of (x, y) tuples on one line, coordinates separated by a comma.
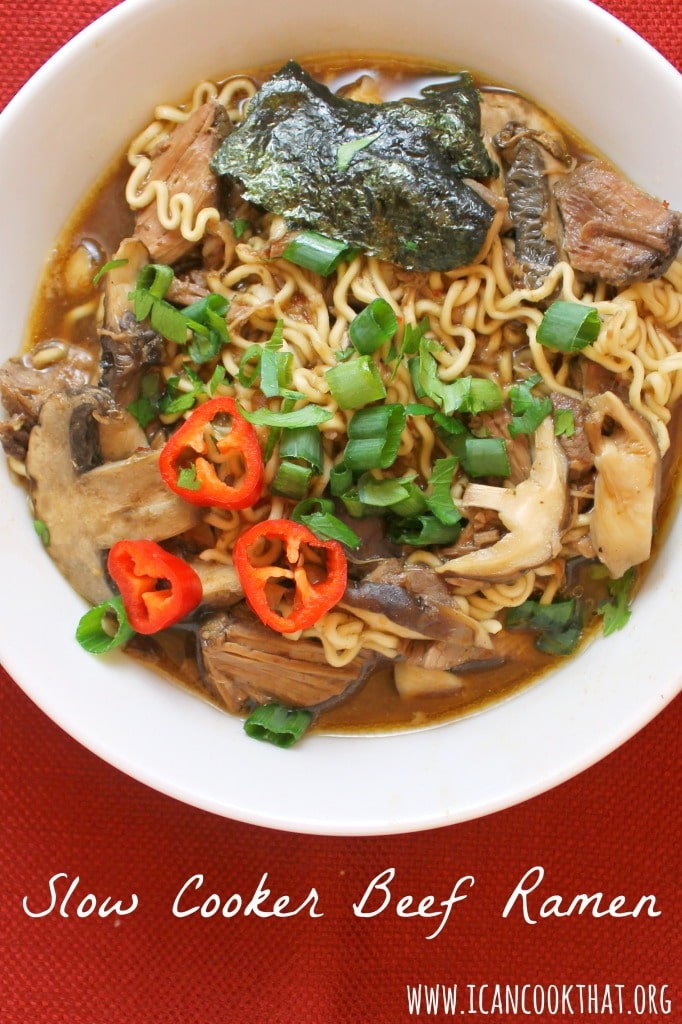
[(27, 381), (533, 155), (245, 664), (626, 489), (410, 601), (533, 512), (526, 157), (220, 583), (127, 347), (88, 506)]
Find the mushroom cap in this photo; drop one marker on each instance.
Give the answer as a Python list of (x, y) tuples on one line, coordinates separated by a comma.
[(533, 512), (626, 489), (86, 505)]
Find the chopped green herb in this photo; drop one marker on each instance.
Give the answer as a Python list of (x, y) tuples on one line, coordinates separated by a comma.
[(528, 410), (42, 530), (239, 226), (440, 500), (111, 265), (564, 423), (306, 416), (317, 515), (187, 478), (616, 612), (423, 531), (383, 492), (347, 150), (559, 624)]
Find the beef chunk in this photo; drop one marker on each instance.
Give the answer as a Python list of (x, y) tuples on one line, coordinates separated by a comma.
[(612, 229)]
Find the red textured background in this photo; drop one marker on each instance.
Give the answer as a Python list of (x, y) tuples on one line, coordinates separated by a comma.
[(615, 828)]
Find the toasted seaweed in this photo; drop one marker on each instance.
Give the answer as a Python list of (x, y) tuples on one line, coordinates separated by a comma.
[(385, 178)]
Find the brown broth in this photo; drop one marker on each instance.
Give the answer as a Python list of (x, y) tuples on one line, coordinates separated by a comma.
[(104, 219)]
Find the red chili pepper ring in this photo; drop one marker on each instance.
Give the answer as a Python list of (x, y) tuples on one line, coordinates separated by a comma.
[(157, 588), (290, 577), (192, 460)]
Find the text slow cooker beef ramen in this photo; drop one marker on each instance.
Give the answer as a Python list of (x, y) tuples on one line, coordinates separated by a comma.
[(350, 395)]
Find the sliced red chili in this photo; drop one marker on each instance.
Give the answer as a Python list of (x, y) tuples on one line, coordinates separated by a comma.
[(290, 577), (214, 458), (157, 588)]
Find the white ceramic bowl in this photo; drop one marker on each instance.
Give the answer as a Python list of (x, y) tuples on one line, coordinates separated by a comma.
[(56, 137)]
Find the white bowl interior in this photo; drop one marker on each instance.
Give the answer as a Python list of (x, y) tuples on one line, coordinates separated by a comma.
[(56, 138)]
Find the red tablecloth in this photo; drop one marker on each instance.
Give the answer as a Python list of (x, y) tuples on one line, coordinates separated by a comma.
[(68, 817)]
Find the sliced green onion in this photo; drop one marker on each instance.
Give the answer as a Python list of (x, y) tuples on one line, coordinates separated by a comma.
[(41, 528), (374, 437), (209, 312), (481, 456), (276, 724), (306, 416), (304, 443), (569, 326), (217, 377), (104, 627), (418, 409), (564, 423), (292, 479), (373, 326), (440, 499), (156, 278), (415, 504), (356, 383), (316, 252), (340, 479), (317, 515), (357, 508), (423, 531), (168, 321), (347, 150), (383, 493), (111, 265)]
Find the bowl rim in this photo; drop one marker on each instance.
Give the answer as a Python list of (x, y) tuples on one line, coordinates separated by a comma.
[(388, 808)]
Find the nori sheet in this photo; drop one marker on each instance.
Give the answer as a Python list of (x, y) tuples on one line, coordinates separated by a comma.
[(401, 197)]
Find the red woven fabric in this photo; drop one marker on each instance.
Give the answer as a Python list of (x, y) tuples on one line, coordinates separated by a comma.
[(616, 828)]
